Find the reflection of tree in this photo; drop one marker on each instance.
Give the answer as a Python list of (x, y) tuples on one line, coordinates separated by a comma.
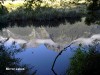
[(94, 5), (7, 60), (92, 17), (93, 12)]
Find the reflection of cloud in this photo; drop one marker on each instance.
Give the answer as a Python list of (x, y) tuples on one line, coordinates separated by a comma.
[(97, 36), (41, 36), (2, 39), (86, 42), (32, 41)]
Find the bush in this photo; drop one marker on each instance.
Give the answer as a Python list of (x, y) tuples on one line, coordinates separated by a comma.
[(85, 63)]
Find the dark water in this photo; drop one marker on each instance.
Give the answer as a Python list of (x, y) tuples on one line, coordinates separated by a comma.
[(41, 44)]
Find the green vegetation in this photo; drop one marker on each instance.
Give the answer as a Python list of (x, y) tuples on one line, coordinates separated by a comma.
[(85, 63), (8, 60), (40, 10), (43, 10)]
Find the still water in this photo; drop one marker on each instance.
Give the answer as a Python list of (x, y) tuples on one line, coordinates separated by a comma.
[(40, 45)]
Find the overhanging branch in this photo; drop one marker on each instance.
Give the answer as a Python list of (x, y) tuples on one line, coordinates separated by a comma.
[(57, 57)]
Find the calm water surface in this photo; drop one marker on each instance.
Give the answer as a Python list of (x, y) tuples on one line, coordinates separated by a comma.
[(42, 44)]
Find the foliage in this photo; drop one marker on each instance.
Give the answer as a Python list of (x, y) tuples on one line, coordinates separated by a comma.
[(94, 5), (3, 10), (92, 17), (30, 3), (40, 14), (43, 10), (85, 63), (8, 60)]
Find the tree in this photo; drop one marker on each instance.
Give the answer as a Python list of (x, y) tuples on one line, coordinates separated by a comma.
[(30, 2)]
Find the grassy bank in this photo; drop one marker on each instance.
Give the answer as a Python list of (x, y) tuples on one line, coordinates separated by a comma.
[(46, 11)]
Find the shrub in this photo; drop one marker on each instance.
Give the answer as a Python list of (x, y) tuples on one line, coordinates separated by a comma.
[(85, 63)]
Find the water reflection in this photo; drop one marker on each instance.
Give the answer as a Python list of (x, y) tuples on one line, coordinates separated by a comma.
[(32, 40), (93, 17), (73, 17), (42, 42), (9, 64), (41, 58), (55, 38)]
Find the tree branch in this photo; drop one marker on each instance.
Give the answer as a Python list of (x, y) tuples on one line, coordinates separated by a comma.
[(57, 58)]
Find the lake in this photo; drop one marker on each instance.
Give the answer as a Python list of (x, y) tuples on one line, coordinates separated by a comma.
[(41, 43)]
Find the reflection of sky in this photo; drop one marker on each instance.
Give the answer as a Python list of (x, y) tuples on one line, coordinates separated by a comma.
[(42, 59), (63, 61)]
